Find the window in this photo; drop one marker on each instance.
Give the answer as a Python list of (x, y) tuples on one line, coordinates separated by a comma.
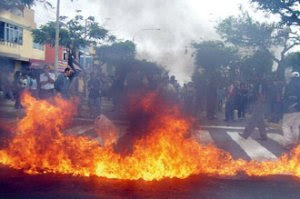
[(38, 46), (2, 31), (11, 33)]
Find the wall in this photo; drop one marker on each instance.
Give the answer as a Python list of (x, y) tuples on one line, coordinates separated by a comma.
[(50, 54), (26, 51)]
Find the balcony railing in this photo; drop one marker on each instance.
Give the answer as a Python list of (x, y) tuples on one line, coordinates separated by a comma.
[(10, 44)]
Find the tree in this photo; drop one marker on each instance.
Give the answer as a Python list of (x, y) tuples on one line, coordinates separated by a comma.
[(214, 58), (258, 64), (287, 9), (292, 60), (245, 33), (116, 53), (9, 4), (121, 56), (75, 33)]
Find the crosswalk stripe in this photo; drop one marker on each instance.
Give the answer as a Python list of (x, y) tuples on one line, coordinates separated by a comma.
[(253, 149), (277, 138), (203, 136), (225, 127), (228, 127)]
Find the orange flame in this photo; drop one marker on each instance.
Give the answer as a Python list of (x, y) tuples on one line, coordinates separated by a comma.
[(40, 146)]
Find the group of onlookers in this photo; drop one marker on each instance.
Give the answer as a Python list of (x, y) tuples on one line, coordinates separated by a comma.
[(41, 84), (261, 99)]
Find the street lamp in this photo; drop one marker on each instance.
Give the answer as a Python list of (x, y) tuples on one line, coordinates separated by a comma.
[(147, 29)]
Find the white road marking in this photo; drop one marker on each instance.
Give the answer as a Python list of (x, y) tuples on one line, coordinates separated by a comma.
[(79, 130), (253, 149), (225, 127), (203, 136), (277, 138), (230, 127)]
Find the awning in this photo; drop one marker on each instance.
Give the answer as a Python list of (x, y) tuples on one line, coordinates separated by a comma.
[(14, 56), (37, 64)]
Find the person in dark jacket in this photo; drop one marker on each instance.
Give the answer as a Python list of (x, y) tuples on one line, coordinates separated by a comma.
[(63, 82), (211, 99), (291, 116), (18, 89), (94, 90), (229, 105), (257, 119), (242, 96)]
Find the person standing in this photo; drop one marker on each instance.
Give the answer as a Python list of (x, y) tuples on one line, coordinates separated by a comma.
[(221, 98), (94, 88), (257, 119), (291, 116), (117, 91), (32, 85), (211, 99), (7, 85), (63, 82), (77, 90), (242, 96), (190, 99), (229, 106), (17, 89), (47, 79)]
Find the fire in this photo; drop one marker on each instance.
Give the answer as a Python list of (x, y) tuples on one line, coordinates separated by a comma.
[(166, 151)]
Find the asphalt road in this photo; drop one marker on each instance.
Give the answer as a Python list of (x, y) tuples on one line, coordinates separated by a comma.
[(224, 137), (15, 184)]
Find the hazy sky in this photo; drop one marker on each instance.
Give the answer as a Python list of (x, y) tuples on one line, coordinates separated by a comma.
[(179, 21)]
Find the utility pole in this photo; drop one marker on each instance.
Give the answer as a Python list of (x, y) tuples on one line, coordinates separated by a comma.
[(57, 37), (84, 52)]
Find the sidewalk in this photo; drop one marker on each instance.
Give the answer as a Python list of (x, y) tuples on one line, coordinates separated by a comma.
[(9, 116), (8, 113)]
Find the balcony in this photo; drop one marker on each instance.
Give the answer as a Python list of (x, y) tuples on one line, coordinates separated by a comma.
[(10, 44)]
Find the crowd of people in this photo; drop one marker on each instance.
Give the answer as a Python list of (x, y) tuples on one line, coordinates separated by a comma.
[(260, 99), (234, 99), (89, 86)]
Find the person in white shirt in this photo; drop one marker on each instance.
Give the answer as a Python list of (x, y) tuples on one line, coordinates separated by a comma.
[(33, 85), (47, 79)]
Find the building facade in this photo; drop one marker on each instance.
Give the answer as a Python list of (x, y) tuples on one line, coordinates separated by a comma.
[(50, 59), (17, 47)]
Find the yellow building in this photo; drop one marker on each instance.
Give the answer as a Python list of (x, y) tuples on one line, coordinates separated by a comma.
[(16, 42)]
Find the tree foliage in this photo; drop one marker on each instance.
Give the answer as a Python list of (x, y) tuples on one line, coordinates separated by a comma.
[(289, 10), (245, 33), (75, 33), (258, 64), (212, 55), (292, 60), (10, 4), (116, 53), (121, 56)]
